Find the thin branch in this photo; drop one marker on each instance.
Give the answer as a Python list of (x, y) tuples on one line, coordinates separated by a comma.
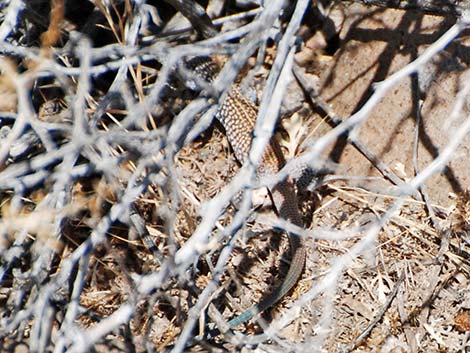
[(196, 14), (436, 7), (366, 332), (335, 121)]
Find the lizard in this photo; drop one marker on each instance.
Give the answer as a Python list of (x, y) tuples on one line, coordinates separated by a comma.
[(237, 114)]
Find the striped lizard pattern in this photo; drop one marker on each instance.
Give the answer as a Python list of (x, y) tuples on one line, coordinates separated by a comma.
[(238, 115)]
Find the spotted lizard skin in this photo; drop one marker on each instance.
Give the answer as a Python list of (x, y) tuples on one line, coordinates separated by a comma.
[(238, 115)]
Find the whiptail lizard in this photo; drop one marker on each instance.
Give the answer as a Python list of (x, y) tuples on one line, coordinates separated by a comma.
[(238, 114)]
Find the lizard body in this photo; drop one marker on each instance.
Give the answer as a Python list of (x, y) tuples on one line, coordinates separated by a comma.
[(238, 115)]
